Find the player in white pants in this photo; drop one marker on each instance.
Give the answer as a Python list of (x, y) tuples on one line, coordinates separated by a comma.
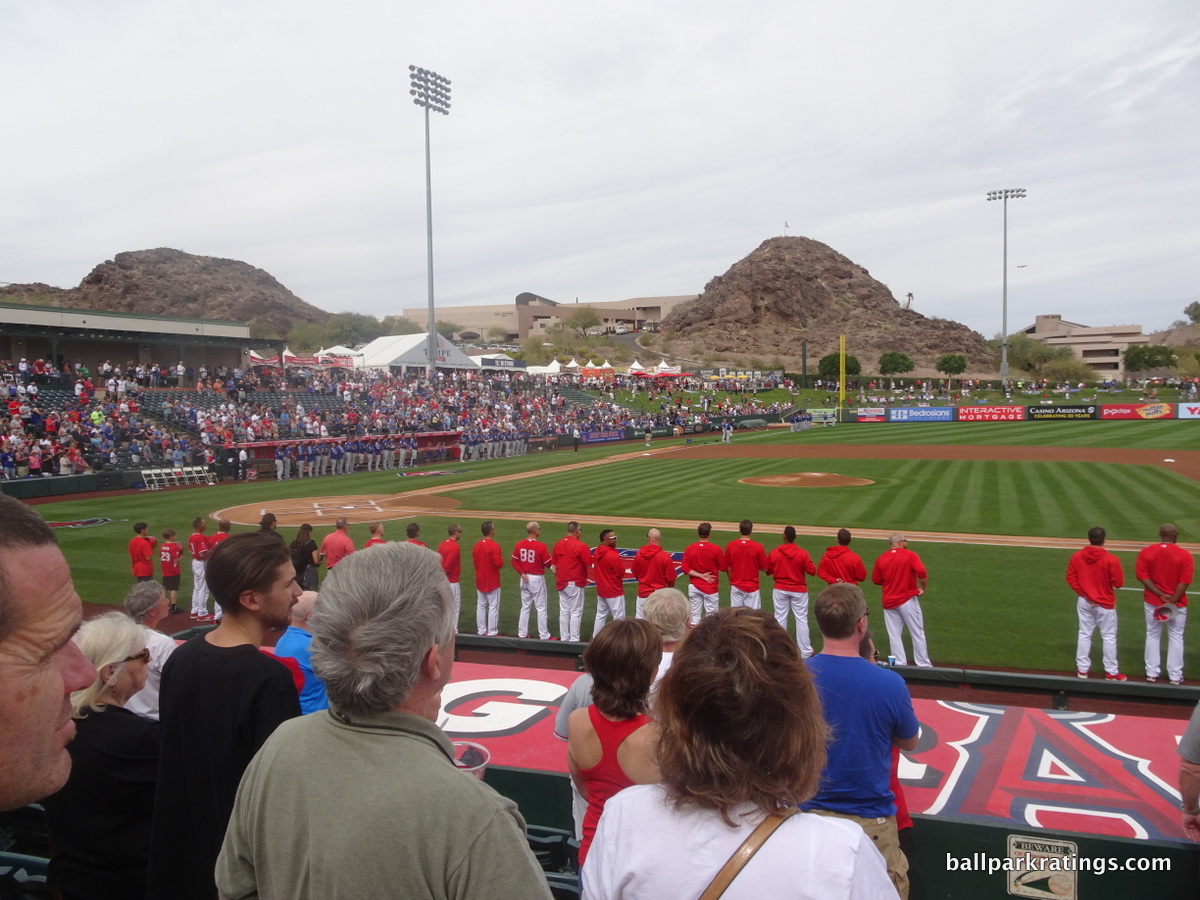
[(199, 589), (702, 604), (907, 615), (738, 597), (487, 612), (1091, 617), (1153, 652), (570, 611), (533, 593), (606, 607), (797, 604)]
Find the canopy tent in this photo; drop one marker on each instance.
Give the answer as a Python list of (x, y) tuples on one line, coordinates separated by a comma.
[(411, 350), (553, 369), (636, 367)]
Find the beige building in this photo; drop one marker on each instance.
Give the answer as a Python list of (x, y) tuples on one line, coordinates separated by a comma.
[(1102, 348), (530, 314)]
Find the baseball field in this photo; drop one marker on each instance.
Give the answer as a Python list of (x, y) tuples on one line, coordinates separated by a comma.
[(993, 509)]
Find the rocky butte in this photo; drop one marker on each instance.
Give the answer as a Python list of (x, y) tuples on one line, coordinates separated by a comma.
[(794, 289)]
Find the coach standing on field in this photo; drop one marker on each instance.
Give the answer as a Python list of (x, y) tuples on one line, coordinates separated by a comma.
[(1165, 571), (1093, 575), (903, 578)]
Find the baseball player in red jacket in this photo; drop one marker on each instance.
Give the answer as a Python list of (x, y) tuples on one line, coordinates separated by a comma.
[(609, 569), (788, 564), (653, 568), (1093, 575)]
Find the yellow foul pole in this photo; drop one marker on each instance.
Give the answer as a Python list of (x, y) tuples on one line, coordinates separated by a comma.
[(841, 371)]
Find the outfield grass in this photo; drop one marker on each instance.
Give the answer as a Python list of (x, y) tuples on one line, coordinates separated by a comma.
[(987, 606)]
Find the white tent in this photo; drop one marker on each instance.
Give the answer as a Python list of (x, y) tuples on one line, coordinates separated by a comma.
[(339, 350), (572, 364), (553, 369), (412, 350), (606, 365), (636, 366), (669, 370)]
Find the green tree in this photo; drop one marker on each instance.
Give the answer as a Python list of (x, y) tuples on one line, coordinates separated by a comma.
[(399, 325), (951, 364), (1192, 311), (895, 363), (1144, 357), (534, 352), (496, 333), (1070, 369), (261, 328), (305, 336), (447, 329), (828, 367), (350, 328), (582, 320)]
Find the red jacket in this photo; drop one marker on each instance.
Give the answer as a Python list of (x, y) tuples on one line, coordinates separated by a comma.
[(451, 559), (898, 570), (841, 564), (1166, 566), (141, 554), (745, 558), (1094, 573), (789, 564), (571, 561), (704, 556), (609, 571), (169, 553), (530, 557), (488, 562), (653, 568)]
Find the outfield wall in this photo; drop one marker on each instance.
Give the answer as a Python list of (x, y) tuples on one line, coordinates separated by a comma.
[(1001, 413)]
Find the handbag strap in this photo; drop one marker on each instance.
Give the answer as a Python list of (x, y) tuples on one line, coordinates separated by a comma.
[(745, 852)]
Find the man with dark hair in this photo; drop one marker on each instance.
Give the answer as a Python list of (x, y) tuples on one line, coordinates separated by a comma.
[(1165, 571), (703, 563), (840, 563), (40, 666), (1094, 574), (199, 546), (141, 553), (571, 559), (788, 564), (609, 569), (451, 555), (903, 578), (220, 699), (488, 562), (744, 559), (869, 711), (383, 643), (413, 532)]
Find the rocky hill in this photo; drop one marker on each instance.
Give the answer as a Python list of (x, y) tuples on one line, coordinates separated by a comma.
[(167, 282), (794, 289)]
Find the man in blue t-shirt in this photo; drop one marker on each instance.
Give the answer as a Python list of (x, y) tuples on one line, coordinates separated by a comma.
[(869, 711), (294, 643)]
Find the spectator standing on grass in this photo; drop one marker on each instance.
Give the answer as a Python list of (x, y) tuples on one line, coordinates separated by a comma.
[(744, 559), (1165, 571), (1094, 574), (488, 562), (903, 578), (221, 698), (337, 545), (840, 563), (869, 712)]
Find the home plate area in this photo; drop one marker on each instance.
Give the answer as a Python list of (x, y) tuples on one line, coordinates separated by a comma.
[(358, 508)]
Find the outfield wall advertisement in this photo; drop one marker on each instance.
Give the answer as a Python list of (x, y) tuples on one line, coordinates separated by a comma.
[(921, 414), (991, 414), (1138, 411), (871, 414), (1189, 411), (1058, 413)]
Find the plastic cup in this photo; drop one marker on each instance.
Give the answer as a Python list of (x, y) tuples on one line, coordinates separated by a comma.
[(891, 660), (471, 758)]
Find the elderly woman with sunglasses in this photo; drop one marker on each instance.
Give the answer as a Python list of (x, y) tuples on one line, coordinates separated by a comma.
[(100, 820)]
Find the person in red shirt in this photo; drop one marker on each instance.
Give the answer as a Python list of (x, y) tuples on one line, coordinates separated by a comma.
[(223, 526), (571, 559), (198, 547), (169, 554), (788, 564), (451, 556), (488, 562), (1094, 574), (653, 568), (413, 532), (376, 529), (530, 560), (141, 553), (609, 569), (703, 563), (744, 559), (337, 545), (1165, 571), (903, 577), (840, 563)]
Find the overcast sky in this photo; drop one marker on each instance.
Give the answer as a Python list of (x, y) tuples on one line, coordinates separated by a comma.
[(615, 150)]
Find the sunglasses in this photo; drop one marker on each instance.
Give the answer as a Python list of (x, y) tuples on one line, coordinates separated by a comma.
[(144, 656)]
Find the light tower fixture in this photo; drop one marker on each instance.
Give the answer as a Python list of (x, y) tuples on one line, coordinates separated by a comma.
[(430, 91), (1005, 195)]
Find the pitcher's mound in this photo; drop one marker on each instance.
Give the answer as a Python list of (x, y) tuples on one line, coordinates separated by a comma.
[(806, 479)]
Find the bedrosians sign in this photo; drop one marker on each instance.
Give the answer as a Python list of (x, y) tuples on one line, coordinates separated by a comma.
[(1059, 412)]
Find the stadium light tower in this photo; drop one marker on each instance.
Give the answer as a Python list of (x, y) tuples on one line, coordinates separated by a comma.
[(1006, 194), (431, 92)]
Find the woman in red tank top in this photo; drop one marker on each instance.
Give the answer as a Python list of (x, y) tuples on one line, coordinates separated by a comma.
[(610, 743)]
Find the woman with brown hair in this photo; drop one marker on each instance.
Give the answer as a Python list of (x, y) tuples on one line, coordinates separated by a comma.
[(609, 743), (304, 558), (741, 741)]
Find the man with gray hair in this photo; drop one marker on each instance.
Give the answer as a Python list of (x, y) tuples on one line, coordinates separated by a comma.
[(383, 642), (146, 603), (667, 610)]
